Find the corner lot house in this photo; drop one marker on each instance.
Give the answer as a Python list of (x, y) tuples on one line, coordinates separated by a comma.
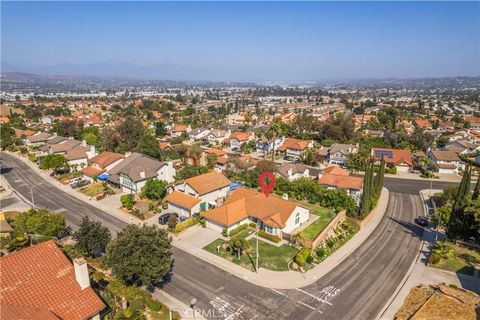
[(102, 163), (211, 188), (446, 161), (337, 178), (132, 173), (273, 214), (39, 282), (401, 159)]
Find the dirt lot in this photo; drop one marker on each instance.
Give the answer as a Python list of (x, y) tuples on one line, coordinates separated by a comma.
[(439, 302)]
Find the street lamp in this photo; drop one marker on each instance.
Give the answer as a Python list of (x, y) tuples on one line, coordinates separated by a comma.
[(193, 302)]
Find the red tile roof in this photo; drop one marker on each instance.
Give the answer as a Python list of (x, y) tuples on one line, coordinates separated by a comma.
[(295, 144), (399, 156), (106, 158), (92, 172), (341, 181), (422, 123), (182, 199), (240, 136), (41, 276)]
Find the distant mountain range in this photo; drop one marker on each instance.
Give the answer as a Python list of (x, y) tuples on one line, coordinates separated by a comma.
[(165, 71)]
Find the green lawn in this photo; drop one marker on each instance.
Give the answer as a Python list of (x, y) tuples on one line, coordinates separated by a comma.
[(324, 216), (271, 257), (93, 189), (462, 262)]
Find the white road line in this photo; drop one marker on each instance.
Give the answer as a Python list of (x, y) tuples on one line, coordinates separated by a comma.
[(315, 297), (306, 305), (278, 292)]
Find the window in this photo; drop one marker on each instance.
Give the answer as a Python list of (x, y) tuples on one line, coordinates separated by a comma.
[(268, 229), (297, 218)]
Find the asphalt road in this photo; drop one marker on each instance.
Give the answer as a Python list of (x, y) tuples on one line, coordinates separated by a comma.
[(357, 289)]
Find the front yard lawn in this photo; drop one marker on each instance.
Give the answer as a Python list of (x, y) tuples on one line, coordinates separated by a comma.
[(462, 262), (324, 217), (271, 257), (93, 189)]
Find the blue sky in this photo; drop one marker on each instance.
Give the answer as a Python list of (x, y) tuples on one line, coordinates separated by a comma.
[(251, 40)]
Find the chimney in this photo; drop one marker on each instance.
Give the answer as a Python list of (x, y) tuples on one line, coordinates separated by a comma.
[(84, 143), (285, 196), (142, 173), (127, 154), (81, 272)]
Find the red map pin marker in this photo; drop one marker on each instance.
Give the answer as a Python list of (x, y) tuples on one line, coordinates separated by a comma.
[(266, 181)]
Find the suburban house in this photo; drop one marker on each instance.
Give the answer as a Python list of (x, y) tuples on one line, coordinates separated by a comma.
[(178, 129), (38, 139), (446, 161), (132, 173), (39, 282), (466, 145), (425, 124), (217, 136), (237, 139), (337, 178), (198, 133), (183, 204), (293, 171), (286, 117), (265, 146), (102, 163), (235, 119), (294, 148), (474, 122), (338, 153), (211, 189), (399, 158), (273, 215), (76, 152)]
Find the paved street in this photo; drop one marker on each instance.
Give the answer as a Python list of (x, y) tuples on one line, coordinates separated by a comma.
[(357, 289)]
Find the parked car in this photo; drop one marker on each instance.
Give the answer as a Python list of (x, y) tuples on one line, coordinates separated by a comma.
[(421, 221), (79, 184), (163, 219), (74, 180)]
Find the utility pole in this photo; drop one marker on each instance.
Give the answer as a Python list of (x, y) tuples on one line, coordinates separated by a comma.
[(256, 258)]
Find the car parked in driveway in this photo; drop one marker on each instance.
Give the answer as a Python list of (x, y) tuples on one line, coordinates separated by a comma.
[(79, 183), (163, 219)]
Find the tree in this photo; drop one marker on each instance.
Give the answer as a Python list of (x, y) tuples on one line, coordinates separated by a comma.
[(7, 136), (265, 165), (238, 246), (476, 191), (149, 146), (340, 127), (378, 185), (40, 221), (160, 130), (367, 192), (190, 171), (90, 138), (140, 255), (130, 131), (274, 130), (154, 189), (211, 160), (110, 139), (92, 237), (458, 225), (54, 162), (129, 314)]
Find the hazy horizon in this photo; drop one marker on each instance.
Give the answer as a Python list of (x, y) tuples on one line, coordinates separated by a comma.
[(243, 41)]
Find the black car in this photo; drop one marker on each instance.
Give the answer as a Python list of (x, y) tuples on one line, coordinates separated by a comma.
[(163, 219), (421, 221)]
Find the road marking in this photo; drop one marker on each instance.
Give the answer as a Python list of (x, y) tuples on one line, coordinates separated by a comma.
[(306, 305), (329, 292), (315, 297), (278, 292), (218, 289), (60, 210), (223, 307)]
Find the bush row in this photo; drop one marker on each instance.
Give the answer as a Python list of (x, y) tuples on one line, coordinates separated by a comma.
[(269, 236)]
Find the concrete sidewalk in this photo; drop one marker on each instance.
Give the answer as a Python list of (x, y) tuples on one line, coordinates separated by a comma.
[(420, 273), (285, 279), (116, 212), (415, 176)]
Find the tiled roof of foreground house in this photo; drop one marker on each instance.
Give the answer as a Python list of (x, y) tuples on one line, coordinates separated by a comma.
[(40, 281), (295, 144), (182, 199), (393, 156), (208, 182), (243, 203), (240, 136)]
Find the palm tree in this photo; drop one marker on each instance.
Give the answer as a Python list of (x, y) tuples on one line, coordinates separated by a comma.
[(273, 131), (129, 314)]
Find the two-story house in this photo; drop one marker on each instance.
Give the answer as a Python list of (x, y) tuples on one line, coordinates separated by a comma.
[(293, 171), (265, 146), (211, 189), (198, 134), (294, 148), (337, 178), (217, 136), (337, 153), (446, 161), (132, 173), (178, 129), (237, 139)]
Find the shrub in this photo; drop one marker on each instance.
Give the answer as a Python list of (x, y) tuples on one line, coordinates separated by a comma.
[(434, 258), (302, 256), (127, 201), (153, 305), (179, 227), (237, 230), (269, 236), (310, 259), (392, 170), (32, 158), (252, 225), (225, 232), (203, 222), (321, 253), (172, 222)]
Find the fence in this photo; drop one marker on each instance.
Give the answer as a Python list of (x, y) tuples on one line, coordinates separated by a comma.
[(327, 231)]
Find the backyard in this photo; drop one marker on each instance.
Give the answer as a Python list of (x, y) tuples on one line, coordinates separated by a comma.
[(324, 216), (462, 261), (271, 257)]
